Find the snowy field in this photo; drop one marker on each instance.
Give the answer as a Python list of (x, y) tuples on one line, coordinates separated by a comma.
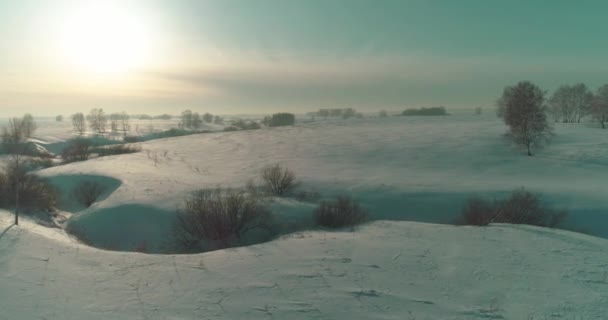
[(400, 168)]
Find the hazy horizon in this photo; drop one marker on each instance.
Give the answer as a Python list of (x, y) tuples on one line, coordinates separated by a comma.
[(242, 57)]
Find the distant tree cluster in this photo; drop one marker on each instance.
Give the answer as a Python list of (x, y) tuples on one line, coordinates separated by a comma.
[(434, 111), (120, 122), (570, 104), (337, 113), (245, 125), (190, 120), (280, 119), (98, 121)]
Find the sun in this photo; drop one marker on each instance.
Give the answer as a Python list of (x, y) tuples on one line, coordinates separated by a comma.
[(104, 37)]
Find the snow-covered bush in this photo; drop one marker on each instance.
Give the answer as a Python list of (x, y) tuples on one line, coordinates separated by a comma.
[(87, 192), (342, 212), (522, 207), (278, 180), (212, 219)]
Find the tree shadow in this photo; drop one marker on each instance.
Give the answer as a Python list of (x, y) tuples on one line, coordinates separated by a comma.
[(6, 230)]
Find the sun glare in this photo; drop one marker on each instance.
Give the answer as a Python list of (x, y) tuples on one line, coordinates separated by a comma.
[(104, 38)]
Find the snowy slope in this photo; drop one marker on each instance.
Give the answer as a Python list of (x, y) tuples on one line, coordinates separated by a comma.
[(385, 270), (403, 168)]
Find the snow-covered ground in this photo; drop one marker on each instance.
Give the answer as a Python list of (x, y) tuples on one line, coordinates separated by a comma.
[(400, 168), (385, 270)]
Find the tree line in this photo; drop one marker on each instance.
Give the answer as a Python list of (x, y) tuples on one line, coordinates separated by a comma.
[(525, 108)]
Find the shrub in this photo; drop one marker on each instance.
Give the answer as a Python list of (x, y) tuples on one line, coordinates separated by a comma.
[(477, 211), (339, 213), (87, 192), (278, 180), (219, 218), (281, 119), (35, 193), (522, 207), (246, 125), (77, 150), (130, 139), (116, 149), (231, 128)]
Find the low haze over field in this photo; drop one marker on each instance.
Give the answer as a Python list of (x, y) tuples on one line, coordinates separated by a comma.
[(263, 56)]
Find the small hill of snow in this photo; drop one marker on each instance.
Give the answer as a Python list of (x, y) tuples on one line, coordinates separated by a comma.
[(384, 270)]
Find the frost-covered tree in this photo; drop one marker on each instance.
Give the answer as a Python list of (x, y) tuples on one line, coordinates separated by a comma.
[(79, 123), (599, 107), (523, 109)]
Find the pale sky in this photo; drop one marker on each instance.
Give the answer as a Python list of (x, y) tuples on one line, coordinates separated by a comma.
[(244, 56)]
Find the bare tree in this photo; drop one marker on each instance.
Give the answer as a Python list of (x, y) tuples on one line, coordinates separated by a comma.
[(18, 129), (125, 124), (97, 120), (79, 123), (523, 109), (13, 133), (570, 103), (186, 118), (599, 108), (29, 125), (114, 118)]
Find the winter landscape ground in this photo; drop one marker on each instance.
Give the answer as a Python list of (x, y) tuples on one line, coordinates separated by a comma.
[(411, 174)]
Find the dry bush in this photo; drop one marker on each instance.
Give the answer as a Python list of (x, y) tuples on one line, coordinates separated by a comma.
[(35, 193), (477, 212), (219, 218), (116, 150), (130, 139), (78, 149), (339, 213), (278, 180), (522, 207), (87, 192)]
